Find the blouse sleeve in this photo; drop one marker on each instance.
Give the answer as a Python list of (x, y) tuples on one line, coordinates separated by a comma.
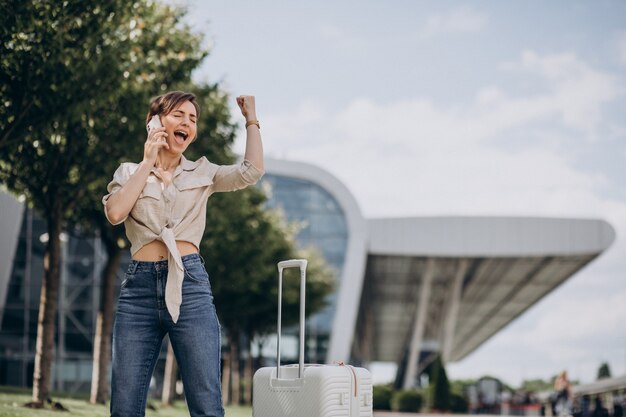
[(235, 177), (120, 177)]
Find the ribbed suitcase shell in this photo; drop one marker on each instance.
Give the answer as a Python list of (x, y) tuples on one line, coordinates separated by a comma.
[(324, 391), (309, 390)]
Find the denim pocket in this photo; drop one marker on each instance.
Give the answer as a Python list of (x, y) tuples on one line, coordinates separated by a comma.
[(130, 273), (127, 278), (197, 274)]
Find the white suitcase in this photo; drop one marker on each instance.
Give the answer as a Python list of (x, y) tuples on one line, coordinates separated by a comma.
[(312, 390)]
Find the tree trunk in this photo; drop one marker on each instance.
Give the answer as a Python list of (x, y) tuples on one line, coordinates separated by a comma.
[(48, 308), (260, 362), (226, 381), (248, 375), (104, 324), (234, 364), (169, 379)]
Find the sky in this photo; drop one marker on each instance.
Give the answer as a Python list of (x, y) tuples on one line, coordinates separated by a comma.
[(454, 108)]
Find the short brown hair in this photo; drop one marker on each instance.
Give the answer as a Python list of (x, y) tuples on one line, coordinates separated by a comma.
[(166, 103)]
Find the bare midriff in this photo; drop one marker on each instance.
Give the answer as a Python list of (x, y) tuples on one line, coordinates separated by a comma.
[(157, 251)]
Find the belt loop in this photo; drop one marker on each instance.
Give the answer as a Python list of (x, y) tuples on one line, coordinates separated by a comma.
[(133, 266), (201, 258)]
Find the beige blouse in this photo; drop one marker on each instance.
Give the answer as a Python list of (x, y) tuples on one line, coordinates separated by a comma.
[(178, 211)]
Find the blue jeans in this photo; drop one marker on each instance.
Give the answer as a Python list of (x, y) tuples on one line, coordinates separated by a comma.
[(141, 322)]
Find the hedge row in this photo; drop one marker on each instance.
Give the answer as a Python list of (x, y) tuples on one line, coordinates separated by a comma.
[(385, 398), (411, 400)]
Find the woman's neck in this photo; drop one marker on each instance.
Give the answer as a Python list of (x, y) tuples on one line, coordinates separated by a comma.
[(167, 161)]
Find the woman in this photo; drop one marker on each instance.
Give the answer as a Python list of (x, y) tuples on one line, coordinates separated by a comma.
[(162, 202), (563, 391)]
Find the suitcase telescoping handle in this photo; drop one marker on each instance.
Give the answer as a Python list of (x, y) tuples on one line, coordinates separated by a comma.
[(292, 263)]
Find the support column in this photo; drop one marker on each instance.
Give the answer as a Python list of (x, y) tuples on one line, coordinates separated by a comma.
[(452, 314), (419, 324)]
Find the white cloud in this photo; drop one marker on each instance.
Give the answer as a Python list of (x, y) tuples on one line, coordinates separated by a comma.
[(452, 160), (459, 20), (577, 91)]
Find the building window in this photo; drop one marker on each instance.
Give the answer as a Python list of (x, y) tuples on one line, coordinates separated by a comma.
[(323, 225)]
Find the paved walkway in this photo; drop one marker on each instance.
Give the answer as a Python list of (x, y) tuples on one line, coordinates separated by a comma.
[(392, 414), (395, 414)]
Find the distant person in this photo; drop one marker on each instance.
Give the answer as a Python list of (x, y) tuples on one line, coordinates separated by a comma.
[(553, 400), (563, 391), (584, 406), (505, 399), (577, 407), (618, 406), (598, 409)]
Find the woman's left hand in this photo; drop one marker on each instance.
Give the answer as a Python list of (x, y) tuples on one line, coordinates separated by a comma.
[(246, 104)]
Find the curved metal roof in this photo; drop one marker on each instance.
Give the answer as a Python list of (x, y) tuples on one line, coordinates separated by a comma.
[(448, 284), (488, 236)]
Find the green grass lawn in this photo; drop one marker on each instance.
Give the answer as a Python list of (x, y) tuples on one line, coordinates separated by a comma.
[(12, 402)]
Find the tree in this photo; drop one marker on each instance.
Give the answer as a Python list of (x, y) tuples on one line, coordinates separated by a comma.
[(56, 67), (155, 63), (537, 385), (169, 380), (73, 77), (439, 387), (241, 246), (604, 371)]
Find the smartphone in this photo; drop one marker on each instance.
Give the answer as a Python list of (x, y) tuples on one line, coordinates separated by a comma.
[(154, 123)]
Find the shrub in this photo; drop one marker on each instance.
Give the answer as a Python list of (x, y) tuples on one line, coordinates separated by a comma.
[(458, 403), (382, 397), (439, 387), (406, 400)]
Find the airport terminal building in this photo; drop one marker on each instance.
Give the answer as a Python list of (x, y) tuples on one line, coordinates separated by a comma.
[(408, 289)]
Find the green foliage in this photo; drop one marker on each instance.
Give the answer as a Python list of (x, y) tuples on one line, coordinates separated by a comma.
[(382, 397), (458, 400), (241, 246), (147, 70), (75, 82), (407, 400), (439, 388), (458, 403), (604, 371), (537, 385), (458, 386), (54, 60)]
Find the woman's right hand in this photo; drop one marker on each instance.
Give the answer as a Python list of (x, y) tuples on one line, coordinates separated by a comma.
[(156, 140)]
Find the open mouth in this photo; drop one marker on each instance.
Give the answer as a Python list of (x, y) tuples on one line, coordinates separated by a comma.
[(181, 136)]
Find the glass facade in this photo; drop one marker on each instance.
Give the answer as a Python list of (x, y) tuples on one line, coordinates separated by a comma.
[(323, 225), (83, 259)]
